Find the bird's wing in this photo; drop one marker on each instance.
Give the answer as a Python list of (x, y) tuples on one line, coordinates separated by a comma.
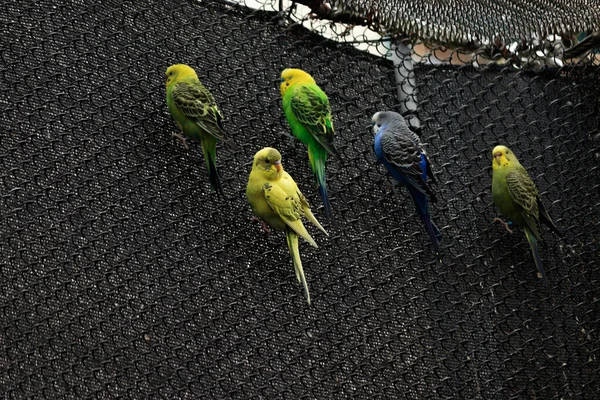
[(545, 218), (197, 103), (524, 195), (288, 207), (308, 213), (430, 176), (404, 155), (311, 108)]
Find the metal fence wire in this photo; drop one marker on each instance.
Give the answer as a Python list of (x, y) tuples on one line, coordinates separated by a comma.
[(123, 276)]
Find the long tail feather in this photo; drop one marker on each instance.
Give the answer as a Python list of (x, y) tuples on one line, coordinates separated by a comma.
[(432, 230), (317, 158), (292, 242), (210, 155), (325, 197), (533, 242), (434, 233), (310, 216)]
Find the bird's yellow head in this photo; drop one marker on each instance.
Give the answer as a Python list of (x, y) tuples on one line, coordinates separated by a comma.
[(268, 162), (292, 76), (179, 71), (503, 157)]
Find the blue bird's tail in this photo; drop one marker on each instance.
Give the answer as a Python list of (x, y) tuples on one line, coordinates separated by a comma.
[(434, 233), (533, 242)]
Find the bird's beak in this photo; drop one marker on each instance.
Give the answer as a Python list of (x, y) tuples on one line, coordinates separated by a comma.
[(277, 165), (497, 156)]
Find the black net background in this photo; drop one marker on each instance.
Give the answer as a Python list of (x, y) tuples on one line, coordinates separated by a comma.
[(123, 276)]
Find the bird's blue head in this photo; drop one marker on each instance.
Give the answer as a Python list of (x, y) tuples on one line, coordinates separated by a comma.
[(375, 123), (384, 118)]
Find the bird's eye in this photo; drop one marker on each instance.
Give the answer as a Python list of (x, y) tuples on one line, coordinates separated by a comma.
[(267, 161), (379, 125)]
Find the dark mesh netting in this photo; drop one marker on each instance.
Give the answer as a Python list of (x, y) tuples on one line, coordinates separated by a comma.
[(123, 276), (479, 21)]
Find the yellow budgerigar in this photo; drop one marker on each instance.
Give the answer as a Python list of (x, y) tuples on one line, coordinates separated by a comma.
[(196, 113), (276, 199), (518, 199)]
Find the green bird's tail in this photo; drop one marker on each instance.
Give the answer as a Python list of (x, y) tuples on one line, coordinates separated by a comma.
[(317, 157), (209, 148), (533, 242), (292, 242)]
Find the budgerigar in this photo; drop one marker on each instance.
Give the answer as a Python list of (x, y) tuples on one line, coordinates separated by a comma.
[(517, 198), (196, 113), (276, 199), (307, 110), (401, 152)]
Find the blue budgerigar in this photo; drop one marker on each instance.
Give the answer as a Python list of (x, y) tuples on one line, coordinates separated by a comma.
[(402, 153)]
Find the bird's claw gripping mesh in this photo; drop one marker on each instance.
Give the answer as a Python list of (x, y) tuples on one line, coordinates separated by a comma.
[(123, 276)]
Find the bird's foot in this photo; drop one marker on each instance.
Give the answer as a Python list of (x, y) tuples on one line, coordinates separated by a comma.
[(505, 224), (262, 224), (182, 139)]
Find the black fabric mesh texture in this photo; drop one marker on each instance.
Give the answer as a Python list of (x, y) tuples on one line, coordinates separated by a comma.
[(480, 21), (123, 276)]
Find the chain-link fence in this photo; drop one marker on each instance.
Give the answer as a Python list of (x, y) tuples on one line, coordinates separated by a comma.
[(123, 275)]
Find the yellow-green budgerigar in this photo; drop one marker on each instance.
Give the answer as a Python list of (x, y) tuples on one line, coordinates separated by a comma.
[(196, 113), (276, 199), (517, 198), (308, 112)]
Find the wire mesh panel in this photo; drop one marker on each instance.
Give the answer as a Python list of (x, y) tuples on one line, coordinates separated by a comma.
[(474, 22), (123, 275)]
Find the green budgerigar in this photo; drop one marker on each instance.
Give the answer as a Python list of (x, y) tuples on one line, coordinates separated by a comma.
[(308, 112), (517, 198), (196, 113)]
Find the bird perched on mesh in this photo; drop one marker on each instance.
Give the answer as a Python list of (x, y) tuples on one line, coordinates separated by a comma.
[(308, 112), (517, 198), (401, 152), (196, 113), (275, 198)]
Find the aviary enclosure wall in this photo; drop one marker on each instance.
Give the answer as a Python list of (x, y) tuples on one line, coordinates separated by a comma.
[(123, 276)]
